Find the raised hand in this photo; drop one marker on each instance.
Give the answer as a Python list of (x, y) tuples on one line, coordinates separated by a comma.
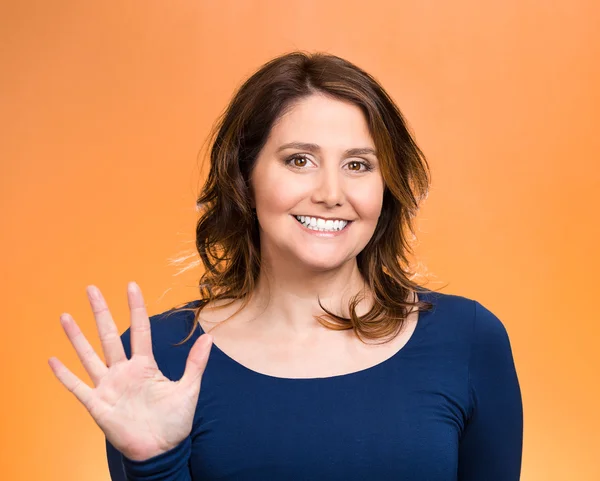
[(141, 412)]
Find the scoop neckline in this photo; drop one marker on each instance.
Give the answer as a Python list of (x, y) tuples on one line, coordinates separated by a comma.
[(412, 340)]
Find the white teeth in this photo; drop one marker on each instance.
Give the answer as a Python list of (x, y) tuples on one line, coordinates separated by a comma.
[(314, 223)]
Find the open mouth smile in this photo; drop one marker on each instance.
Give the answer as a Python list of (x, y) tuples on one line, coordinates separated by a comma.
[(318, 225)]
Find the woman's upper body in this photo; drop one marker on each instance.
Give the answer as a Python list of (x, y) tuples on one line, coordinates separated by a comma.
[(445, 405), (314, 180), (324, 370)]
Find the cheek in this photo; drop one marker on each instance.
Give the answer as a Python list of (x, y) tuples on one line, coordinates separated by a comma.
[(367, 201), (277, 193)]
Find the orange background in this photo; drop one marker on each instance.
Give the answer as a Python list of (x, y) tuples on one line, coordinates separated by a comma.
[(105, 107)]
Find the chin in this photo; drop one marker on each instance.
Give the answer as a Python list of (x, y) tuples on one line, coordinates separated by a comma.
[(323, 264)]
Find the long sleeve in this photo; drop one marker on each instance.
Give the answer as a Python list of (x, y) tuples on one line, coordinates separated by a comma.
[(170, 466), (491, 444)]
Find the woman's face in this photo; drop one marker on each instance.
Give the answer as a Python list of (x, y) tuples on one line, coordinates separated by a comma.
[(330, 177)]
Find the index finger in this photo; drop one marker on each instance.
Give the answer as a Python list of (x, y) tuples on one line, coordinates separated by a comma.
[(141, 337)]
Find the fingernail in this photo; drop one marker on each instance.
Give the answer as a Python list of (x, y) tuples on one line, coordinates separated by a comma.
[(132, 287), (94, 293)]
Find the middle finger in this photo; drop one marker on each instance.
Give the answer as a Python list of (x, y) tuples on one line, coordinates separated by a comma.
[(109, 335)]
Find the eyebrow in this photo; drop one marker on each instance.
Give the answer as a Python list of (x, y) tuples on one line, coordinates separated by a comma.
[(316, 149)]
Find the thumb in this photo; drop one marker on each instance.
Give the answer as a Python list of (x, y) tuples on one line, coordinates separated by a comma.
[(196, 363)]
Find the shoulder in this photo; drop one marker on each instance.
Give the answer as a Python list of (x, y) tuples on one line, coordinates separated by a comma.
[(487, 326), (168, 330), (470, 311), (466, 319), (486, 335)]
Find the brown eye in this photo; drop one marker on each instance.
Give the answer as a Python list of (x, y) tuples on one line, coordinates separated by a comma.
[(355, 166), (297, 161)]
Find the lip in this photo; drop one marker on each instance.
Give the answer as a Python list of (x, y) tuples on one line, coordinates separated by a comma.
[(321, 233), (318, 217)]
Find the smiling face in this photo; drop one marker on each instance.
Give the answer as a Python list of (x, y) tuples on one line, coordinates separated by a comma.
[(331, 173)]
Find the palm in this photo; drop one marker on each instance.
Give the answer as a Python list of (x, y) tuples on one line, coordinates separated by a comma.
[(141, 412), (135, 394)]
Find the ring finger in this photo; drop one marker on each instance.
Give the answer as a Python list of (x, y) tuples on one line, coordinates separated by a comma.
[(88, 357)]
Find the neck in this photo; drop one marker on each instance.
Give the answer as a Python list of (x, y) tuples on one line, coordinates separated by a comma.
[(287, 296)]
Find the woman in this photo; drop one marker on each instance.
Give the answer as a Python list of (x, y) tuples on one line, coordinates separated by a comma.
[(313, 187)]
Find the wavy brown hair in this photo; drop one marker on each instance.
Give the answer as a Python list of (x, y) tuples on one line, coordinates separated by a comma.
[(227, 234)]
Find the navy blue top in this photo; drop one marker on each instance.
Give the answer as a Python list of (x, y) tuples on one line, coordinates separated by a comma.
[(445, 407)]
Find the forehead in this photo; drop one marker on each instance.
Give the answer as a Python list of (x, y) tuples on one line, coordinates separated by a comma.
[(322, 120)]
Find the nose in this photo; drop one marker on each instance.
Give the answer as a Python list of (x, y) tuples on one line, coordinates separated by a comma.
[(329, 189)]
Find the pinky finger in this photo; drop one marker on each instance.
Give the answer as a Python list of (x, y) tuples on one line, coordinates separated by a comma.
[(81, 390)]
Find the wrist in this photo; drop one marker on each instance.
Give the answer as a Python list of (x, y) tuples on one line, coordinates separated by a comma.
[(163, 462), (142, 454)]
